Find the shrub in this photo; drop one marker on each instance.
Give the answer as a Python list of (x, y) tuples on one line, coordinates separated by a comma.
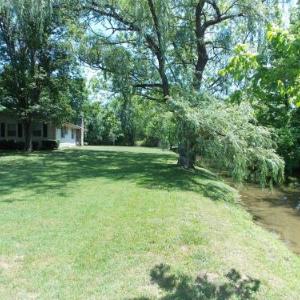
[(19, 145), (11, 145), (150, 141), (49, 145), (35, 146), (4, 145)]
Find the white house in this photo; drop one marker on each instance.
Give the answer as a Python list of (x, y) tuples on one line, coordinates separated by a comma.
[(67, 135)]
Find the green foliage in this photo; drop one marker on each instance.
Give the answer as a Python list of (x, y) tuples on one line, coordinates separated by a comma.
[(103, 127), (38, 79), (242, 62), (122, 39), (124, 109), (126, 120), (49, 145), (271, 81), (152, 50), (228, 135), (158, 49), (161, 130)]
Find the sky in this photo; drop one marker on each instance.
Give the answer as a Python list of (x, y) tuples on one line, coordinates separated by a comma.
[(287, 7)]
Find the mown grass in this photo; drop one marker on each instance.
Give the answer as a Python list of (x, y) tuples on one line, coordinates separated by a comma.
[(126, 223)]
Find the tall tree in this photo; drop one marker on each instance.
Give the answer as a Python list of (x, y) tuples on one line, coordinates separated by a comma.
[(36, 59), (270, 80), (168, 50), (171, 41)]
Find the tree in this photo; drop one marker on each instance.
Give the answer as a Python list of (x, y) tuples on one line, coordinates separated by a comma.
[(270, 80), (168, 51), (231, 132), (36, 61), (125, 112), (103, 125), (172, 42)]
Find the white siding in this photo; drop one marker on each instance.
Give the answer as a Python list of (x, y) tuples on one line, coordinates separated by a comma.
[(53, 132), (9, 119), (67, 140)]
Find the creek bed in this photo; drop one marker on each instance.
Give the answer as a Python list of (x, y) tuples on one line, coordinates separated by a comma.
[(277, 210)]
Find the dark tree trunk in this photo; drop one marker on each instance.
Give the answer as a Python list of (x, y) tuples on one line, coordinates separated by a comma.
[(200, 65), (28, 135), (202, 56), (131, 139), (187, 151), (158, 49), (187, 155)]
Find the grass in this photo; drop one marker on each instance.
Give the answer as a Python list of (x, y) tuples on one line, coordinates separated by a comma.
[(126, 223)]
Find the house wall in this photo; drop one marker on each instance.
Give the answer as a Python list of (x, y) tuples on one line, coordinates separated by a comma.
[(12, 120), (67, 140)]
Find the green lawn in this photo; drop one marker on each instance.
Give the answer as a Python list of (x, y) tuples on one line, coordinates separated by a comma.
[(126, 223)]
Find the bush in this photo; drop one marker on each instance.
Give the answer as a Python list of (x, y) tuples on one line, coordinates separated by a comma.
[(4, 145), (14, 145), (35, 146), (150, 141), (11, 145), (49, 145), (19, 145)]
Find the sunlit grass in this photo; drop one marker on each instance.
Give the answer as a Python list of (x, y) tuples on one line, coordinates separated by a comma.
[(92, 223)]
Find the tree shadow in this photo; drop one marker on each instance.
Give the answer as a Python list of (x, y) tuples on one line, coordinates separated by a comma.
[(51, 171), (204, 287)]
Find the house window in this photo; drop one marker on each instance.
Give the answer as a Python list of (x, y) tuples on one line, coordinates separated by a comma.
[(12, 130), (20, 130), (45, 130), (2, 130), (64, 132), (36, 130), (73, 134)]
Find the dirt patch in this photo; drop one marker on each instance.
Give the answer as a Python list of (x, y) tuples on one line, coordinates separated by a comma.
[(8, 263), (210, 276), (4, 264)]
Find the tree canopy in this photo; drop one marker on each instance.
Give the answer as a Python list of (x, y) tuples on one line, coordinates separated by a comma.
[(37, 61), (172, 52), (270, 80)]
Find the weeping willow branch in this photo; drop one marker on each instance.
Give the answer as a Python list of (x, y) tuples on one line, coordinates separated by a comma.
[(229, 136)]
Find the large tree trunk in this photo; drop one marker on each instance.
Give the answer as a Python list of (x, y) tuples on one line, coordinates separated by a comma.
[(158, 49), (187, 155), (28, 135), (202, 56)]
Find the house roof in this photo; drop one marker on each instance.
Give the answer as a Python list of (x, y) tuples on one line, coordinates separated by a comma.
[(72, 125)]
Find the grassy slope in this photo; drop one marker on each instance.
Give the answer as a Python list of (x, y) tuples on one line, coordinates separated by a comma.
[(93, 223)]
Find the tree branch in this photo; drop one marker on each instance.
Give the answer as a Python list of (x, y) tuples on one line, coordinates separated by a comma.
[(221, 19), (147, 85)]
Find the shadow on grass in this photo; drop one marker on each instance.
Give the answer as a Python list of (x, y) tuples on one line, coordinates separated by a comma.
[(42, 172), (177, 287)]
